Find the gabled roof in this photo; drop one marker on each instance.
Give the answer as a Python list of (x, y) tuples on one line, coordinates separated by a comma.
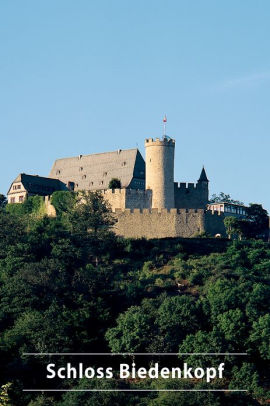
[(203, 177), (95, 171), (39, 185)]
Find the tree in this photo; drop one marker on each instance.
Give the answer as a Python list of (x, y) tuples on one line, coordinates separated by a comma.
[(223, 197), (4, 398), (183, 320), (258, 221), (91, 214), (3, 201), (233, 325), (132, 332), (232, 226), (90, 221), (12, 231), (260, 336), (63, 201), (115, 183)]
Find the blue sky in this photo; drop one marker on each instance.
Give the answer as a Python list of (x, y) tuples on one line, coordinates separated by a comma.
[(79, 77)]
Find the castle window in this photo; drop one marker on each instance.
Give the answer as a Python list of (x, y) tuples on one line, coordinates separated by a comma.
[(124, 163), (101, 183), (81, 169), (58, 172), (84, 177), (71, 185), (105, 173), (91, 183)]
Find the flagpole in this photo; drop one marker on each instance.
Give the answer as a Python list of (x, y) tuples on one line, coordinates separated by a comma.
[(164, 126)]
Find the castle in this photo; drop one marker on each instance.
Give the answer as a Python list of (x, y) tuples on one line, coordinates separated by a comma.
[(149, 203)]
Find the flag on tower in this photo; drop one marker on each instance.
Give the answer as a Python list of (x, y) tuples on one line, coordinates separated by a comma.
[(165, 119)]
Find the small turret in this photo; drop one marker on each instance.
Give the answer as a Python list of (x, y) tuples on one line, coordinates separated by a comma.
[(203, 177), (202, 185)]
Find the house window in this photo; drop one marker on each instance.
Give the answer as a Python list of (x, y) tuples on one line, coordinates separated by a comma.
[(12, 200), (20, 199)]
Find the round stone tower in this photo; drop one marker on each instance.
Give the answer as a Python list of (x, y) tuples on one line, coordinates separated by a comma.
[(159, 162)]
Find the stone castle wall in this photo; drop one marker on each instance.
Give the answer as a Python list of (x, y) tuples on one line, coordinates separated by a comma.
[(167, 223), (128, 198), (153, 223), (190, 196)]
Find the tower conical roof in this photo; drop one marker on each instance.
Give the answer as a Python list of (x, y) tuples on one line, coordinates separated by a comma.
[(203, 177)]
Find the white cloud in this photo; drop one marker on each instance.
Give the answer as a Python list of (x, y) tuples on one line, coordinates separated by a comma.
[(245, 81)]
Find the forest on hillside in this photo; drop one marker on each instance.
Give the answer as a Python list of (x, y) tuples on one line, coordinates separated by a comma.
[(68, 284)]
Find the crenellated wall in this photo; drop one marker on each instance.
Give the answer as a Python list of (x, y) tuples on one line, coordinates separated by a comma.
[(167, 223), (128, 198), (191, 195), (153, 223)]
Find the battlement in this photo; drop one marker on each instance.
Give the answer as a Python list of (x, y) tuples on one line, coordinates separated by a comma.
[(112, 191), (162, 211), (159, 142), (124, 191), (185, 186), (155, 223)]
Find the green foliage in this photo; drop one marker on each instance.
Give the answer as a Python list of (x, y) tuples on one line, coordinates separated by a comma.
[(232, 226), (132, 333), (258, 221), (114, 184), (42, 401), (67, 284), (260, 336), (184, 319), (233, 326), (90, 214), (223, 197), (4, 397), (63, 201), (33, 205), (3, 201)]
